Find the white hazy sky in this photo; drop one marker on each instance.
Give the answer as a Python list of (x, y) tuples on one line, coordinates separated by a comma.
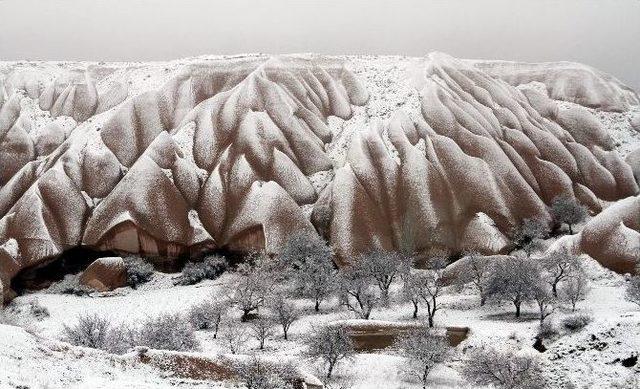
[(602, 33)]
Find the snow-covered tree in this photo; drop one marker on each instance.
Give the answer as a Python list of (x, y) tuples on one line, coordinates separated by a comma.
[(331, 345), (411, 291), (575, 289), (385, 267), (252, 287), (423, 349), (515, 279), (529, 233), (559, 266), (567, 210), (503, 369), (311, 262), (262, 330), (544, 300), (235, 337), (285, 312), (358, 291), (476, 270)]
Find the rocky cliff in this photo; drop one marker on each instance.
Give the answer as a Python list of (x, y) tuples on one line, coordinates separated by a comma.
[(238, 153)]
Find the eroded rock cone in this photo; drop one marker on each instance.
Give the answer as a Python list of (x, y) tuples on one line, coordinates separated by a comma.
[(105, 274)]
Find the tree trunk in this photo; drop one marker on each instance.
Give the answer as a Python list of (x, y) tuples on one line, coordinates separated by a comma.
[(554, 289), (483, 300), (425, 374), (285, 334), (430, 320), (245, 315), (330, 370), (317, 305), (415, 310), (570, 229), (517, 304)]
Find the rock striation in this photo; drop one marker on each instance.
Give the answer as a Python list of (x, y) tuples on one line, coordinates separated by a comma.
[(226, 153)]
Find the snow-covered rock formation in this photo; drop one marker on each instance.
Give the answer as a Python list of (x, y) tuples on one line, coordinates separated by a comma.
[(240, 152)]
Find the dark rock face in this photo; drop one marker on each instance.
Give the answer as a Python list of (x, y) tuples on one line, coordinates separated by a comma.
[(223, 155)]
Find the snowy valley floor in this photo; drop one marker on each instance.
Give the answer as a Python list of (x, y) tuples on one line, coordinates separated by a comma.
[(34, 356)]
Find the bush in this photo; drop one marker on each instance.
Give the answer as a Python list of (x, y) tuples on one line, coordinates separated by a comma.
[(503, 369), (168, 332), (576, 322), (37, 310), (121, 339), (139, 271), (547, 330), (90, 331), (208, 315), (70, 284), (209, 269), (262, 374)]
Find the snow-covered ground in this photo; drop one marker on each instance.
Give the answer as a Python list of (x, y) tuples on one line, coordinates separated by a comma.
[(33, 356)]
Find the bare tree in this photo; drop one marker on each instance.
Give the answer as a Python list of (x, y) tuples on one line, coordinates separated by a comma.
[(424, 350), (252, 287), (285, 313), (567, 210), (262, 330), (331, 345), (357, 290), (544, 300), (575, 289), (476, 269), (515, 279), (529, 233), (504, 369), (310, 258), (235, 337), (633, 290), (209, 314), (560, 266), (411, 291), (384, 267)]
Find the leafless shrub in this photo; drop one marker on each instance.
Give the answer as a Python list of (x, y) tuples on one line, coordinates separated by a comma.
[(70, 284), (576, 322), (210, 268), (261, 374), (503, 369), (121, 338), (139, 271), (329, 344), (91, 331), (208, 315), (37, 310), (168, 332)]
